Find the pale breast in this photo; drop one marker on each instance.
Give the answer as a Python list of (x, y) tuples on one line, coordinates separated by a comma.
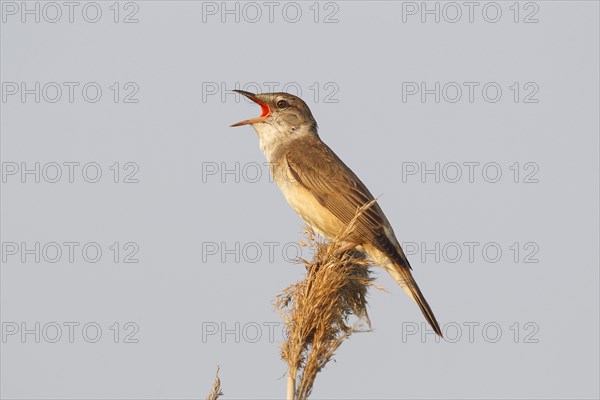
[(305, 204)]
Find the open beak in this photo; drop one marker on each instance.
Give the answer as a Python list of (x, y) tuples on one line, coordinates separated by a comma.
[(264, 106)]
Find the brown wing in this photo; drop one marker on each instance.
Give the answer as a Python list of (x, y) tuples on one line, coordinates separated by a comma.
[(316, 167)]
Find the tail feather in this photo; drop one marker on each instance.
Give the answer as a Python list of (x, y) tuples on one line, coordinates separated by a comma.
[(404, 278), (396, 263), (418, 297)]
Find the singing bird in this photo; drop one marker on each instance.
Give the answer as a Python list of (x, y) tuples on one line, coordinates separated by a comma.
[(323, 191)]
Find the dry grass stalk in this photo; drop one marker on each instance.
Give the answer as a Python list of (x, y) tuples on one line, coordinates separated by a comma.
[(318, 310), (216, 389)]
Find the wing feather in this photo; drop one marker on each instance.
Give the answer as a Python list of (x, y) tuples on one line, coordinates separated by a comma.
[(338, 189)]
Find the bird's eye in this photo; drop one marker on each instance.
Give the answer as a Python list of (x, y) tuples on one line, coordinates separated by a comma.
[(282, 104)]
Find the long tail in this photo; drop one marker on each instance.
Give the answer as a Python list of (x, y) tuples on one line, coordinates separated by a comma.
[(408, 284), (400, 271), (394, 260)]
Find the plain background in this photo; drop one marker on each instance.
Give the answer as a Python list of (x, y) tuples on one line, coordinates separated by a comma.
[(178, 292)]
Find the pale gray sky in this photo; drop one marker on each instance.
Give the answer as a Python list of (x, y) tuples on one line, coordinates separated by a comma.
[(493, 190)]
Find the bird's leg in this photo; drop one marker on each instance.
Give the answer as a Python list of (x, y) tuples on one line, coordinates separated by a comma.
[(346, 247)]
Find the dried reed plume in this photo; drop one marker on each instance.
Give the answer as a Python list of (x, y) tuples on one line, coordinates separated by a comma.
[(216, 389), (317, 310)]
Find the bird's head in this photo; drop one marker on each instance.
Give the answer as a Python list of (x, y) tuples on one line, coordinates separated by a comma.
[(282, 112)]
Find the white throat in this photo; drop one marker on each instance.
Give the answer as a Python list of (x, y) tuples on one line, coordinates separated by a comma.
[(271, 137)]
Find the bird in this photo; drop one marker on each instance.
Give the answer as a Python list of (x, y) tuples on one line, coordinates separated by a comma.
[(324, 191)]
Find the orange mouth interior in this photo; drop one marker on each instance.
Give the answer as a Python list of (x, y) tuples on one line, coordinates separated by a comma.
[(265, 109)]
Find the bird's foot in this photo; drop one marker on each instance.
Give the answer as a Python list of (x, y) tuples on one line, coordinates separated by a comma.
[(346, 247)]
